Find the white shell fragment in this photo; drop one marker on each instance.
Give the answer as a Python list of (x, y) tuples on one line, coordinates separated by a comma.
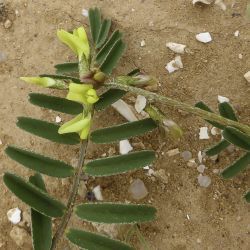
[(143, 43), (14, 215), (200, 156), (58, 119), (98, 193), (204, 180), (215, 131), (204, 37), (123, 108), (247, 76), (202, 1), (222, 99), (236, 33), (85, 12), (203, 135), (174, 65), (176, 47), (221, 4), (140, 103), (125, 147)]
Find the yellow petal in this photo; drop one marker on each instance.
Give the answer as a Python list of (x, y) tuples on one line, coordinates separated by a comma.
[(79, 88), (41, 81), (76, 97), (81, 33), (92, 96)]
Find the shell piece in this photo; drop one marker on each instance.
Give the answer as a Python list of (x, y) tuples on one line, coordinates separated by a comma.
[(174, 65), (98, 193), (123, 108), (247, 76), (202, 1), (58, 119), (125, 147), (14, 215), (222, 99), (143, 43), (204, 37), (236, 33), (176, 47), (85, 12), (203, 135), (140, 103)]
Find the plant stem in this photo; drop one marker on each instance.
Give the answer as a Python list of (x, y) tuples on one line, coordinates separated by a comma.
[(142, 239), (180, 105), (72, 197)]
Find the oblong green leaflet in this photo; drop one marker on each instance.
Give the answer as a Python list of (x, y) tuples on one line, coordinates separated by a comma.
[(55, 103), (123, 131), (62, 77), (92, 241), (95, 23), (216, 149), (247, 197), (237, 137), (120, 164), (46, 130), (33, 196), (103, 34), (109, 97), (39, 163), (203, 106), (41, 225), (227, 111), (102, 54), (113, 57), (66, 68), (115, 213), (238, 166)]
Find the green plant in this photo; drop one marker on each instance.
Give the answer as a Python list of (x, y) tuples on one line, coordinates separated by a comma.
[(84, 80)]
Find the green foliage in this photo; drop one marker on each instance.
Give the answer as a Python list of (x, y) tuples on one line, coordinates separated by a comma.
[(108, 98), (92, 241), (120, 164), (62, 77), (39, 162), (247, 197), (123, 131), (227, 111), (55, 103), (66, 68), (105, 50), (95, 23), (115, 213), (216, 149), (236, 137), (46, 130), (103, 33), (33, 196), (41, 225), (238, 166)]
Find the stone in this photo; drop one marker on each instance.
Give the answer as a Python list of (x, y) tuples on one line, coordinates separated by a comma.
[(123, 108), (247, 76), (174, 65), (236, 33), (143, 43), (201, 168), (176, 47), (58, 119), (222, 99), (7, 24), (85, 13), (14, 215), (173, 152), (138, 189), (204, 37), (98, 193), (125, 147), (20, 236), (203, 135), (140, 103), (204, 181), (186, 155)]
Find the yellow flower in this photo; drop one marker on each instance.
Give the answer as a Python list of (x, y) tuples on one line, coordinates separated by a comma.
[(80, 124), (78, 41), (82, 93), (41, 81)]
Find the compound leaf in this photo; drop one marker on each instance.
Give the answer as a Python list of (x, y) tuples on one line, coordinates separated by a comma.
[(39, 163), (33, 196), (103, 34), (238, 166), (41, 229), (123, 131), (95, 23), (92, 241), (115, 213), (46, 130), (120, 164), (216, 149)]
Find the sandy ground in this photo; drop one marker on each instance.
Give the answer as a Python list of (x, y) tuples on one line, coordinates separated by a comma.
[(218, 216)]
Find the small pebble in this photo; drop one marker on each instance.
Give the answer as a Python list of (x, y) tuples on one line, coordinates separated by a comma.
[(176, 47), (125, 147), (98, 193), (192, 163), (215, 131), (174, 65), (173, 152), (204, 37), (85, 13), (247, 76), (143, 43), (200, 156), (58, 119), (203, 135), (204, 180), (236, 33), (7, 24), (186, 155), (222, 99), (138, 189), (14, 215), (201, 168), (240, 56), (140, 103)]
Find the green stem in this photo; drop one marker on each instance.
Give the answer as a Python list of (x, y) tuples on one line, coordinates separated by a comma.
[(142, 239), (180, 105), (72, 197)]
